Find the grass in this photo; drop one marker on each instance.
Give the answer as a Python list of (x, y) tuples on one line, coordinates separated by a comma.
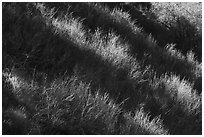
[(184, 21), (69, 107), (146, 48), (108, 55), (74, 80)]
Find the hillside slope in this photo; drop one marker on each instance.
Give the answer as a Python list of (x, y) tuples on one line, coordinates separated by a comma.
[(98, 68)]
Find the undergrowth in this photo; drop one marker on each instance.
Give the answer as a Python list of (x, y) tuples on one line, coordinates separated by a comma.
[(140, 45), (184, 21), (69, 106), (63, 76)]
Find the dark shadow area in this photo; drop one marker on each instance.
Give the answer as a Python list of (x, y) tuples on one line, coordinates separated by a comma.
[(14, 122), (187, 38)]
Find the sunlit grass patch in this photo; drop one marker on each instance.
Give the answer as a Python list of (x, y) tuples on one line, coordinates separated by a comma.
[(145, 125)]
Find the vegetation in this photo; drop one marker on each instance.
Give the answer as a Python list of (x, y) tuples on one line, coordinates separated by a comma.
[(91, 68), (184, 24), (141, 45)]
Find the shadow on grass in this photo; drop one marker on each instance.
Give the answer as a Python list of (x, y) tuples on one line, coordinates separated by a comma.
[(183, 34), (157, 58), (55, 55)]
